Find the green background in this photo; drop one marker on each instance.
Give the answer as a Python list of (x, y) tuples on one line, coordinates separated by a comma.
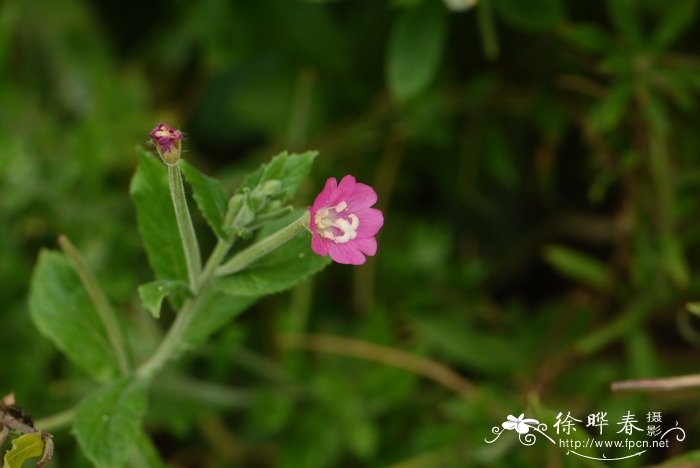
[(537, 163)]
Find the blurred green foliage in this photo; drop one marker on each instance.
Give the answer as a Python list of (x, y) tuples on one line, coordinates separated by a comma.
[(536, 162)]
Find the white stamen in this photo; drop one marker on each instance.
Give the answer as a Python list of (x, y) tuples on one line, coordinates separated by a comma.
[(325, 221)]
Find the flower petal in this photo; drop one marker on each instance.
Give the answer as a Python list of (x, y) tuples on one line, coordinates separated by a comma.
[(371, 220), (319, 246), (367, 246), (345, 190), (324, 198), (345, 253), (362, 196)]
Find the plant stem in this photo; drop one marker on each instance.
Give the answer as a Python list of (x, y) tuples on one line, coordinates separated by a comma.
[(99, 301), (56, 421), (657, 385), (487, 29), (427, 368), (184, 223), (264, 247), (174, 339)]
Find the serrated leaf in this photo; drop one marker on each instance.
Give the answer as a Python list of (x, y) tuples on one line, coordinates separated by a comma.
[(210, 196), (578, 266), (153, 293), (23, 448), (62, 311), (289, 169), (280, 270), (214, 310), (415, 49), (156, 219), (108, 421)]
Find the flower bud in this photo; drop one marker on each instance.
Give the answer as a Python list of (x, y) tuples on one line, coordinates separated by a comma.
[(271, 187), (168, 143)]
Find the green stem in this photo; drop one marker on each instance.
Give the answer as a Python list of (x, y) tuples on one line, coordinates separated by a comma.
[(184, 223), (99, 300), (487, 29), (174, 340), (264, 247), (56, 421)]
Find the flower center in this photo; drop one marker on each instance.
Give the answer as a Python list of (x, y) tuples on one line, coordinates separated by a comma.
[(165, 133), (331, 225)]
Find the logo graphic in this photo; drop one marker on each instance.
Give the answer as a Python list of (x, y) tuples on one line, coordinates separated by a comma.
[(529, 429)]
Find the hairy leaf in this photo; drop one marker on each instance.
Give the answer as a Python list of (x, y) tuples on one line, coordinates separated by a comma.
[(156, 219), (62, 311), (210, 196), (214, 310), (282, 269), (289, 169), (153, 293), (108, 421)]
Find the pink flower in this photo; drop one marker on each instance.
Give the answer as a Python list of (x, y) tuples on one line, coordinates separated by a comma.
[(167, 141), (342, 223)]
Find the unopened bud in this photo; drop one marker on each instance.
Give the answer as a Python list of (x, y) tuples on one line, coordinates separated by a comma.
[(271, 187), (168, 143)]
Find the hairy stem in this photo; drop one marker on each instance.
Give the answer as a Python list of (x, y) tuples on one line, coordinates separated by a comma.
[(174, 340), (264, 247), (184, 223), (99, 300)]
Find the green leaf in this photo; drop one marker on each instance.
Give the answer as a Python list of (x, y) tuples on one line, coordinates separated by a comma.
[(214, 310), (23, 448), (532, 15), (693, 308), (415, 49), (280, 270), (578, 266), (455, 340), (108, 421), (607, 113), (686, 459), (153, 293), (624, 14), (62, 311), (145, 453), (589, 37), (156, 219), (289, 169), (210, 196), (676, 20)]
